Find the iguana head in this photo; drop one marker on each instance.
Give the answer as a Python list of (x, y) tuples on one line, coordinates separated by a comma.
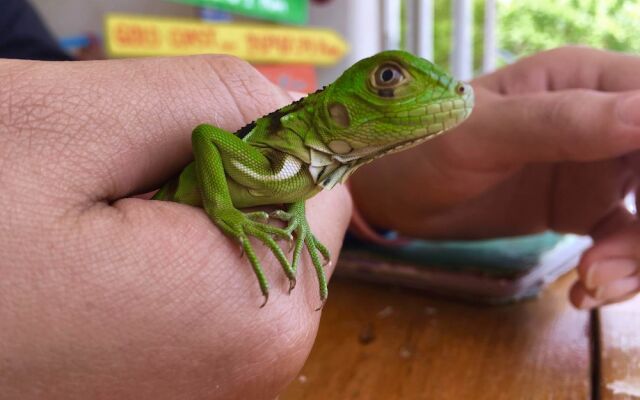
[(389, 102)]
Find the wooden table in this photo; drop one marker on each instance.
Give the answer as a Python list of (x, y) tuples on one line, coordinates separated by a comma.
[(382, 342)]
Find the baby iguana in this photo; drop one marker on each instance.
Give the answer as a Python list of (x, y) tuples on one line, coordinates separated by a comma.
[(380, 105)]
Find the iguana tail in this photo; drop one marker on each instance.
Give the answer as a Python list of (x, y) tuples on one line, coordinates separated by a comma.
[(167, 191), (182, 188)]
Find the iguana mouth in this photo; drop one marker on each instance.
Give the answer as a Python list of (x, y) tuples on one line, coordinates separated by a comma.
[(445, 112), (432, 120)]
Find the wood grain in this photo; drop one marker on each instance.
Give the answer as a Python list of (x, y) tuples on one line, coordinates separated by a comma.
[(620, 351), (378, 342)]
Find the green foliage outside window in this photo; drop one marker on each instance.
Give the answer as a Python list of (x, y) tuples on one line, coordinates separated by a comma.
[(529, 26)]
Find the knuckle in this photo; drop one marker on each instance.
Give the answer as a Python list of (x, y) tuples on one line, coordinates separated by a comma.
[(559, 113), (540, 71), (566, 111), (231, 66), (217, 61), (573, 52), (251, 92), (286, 355)]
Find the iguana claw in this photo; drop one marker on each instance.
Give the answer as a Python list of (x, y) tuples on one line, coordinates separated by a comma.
[(292, 284), (266, 299), (297, 223), (321, 304), (242, 225)]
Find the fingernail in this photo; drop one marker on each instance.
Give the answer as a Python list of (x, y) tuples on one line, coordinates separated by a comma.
[(628, 110), (587, 302), (618, 288), (604, 271)]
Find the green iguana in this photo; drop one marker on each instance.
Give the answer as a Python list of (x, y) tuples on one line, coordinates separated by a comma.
[(381, 105)]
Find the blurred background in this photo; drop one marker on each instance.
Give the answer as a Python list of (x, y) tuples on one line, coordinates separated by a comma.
[(467, 37)]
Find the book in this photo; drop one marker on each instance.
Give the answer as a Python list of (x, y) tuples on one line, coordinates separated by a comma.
[(494, 271)]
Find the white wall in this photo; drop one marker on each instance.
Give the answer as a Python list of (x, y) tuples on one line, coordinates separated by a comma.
[(72, 17), (358, 25)]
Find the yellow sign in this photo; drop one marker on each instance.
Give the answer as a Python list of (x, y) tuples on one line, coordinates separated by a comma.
[(130, 36)]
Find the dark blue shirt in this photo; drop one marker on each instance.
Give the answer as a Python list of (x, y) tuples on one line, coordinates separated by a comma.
[(24, 35)]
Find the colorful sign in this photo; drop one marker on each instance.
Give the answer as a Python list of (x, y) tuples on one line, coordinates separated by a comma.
[(130, 36), (212, 14), (294, 78), (291, 11)]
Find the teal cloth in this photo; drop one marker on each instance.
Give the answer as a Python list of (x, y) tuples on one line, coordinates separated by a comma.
[(500, 256)]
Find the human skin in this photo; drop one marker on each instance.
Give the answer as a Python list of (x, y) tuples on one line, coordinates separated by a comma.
[(105, 295), (551, 144)]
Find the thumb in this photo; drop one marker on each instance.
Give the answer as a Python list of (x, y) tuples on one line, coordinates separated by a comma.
[(124, 126), (571, 125)]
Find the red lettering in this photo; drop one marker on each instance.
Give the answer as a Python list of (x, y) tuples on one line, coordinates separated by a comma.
[(136, 35), (184, 38), (269, 43)]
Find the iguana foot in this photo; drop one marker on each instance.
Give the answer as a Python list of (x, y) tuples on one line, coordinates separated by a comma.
[(297, 223), (241, 226)]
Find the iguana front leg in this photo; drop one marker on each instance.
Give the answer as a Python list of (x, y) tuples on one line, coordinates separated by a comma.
[(297, 223), (210, 145)]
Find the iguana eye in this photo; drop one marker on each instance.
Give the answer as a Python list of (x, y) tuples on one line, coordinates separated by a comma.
[(388, 75)]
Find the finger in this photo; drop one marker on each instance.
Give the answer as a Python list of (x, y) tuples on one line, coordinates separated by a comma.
[(611, 257), (567, 68), (603, 272), (110, 128), (579, 296), (617, 289), (615, 292), (575, 125)]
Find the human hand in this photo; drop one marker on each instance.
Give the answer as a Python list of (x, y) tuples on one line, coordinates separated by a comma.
[(105, 295), (551, 144)]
